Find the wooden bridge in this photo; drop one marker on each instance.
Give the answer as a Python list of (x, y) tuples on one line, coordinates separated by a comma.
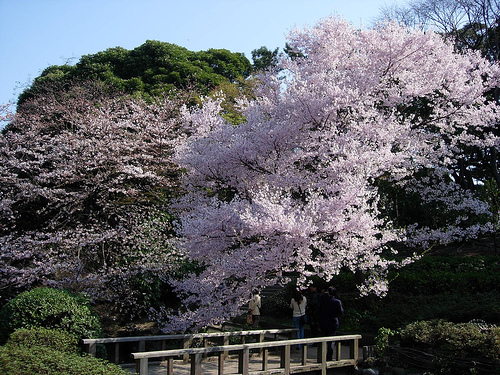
[(196, 354)]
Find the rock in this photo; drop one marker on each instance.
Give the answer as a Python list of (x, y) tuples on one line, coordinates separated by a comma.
[(370, 371)]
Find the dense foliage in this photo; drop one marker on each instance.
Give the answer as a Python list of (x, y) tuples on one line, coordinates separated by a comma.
[(43, 351), (264, 59), (56, 339), (451, 287), (85, 180), (441, 347), (464, 339), (49, 308), (152, 69), (296, 186)]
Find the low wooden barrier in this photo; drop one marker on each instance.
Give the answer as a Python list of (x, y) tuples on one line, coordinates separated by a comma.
[(185, 340), (243, 351)]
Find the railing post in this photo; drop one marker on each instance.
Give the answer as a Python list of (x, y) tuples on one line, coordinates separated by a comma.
[(304, 354), (265, 359), (339, 350), (225, 343), (261, 340), (285, 359), (185, 345), (170, 366), (117, 352), (356, 350), (244, 361), (92, 348), (205, 342), (196, 364), (163, 347), (220, 368), (141, 366), (142, 346), (322, 356)]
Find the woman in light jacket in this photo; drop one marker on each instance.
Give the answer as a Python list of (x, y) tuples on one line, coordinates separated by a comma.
[(254, 308), (298, 305)]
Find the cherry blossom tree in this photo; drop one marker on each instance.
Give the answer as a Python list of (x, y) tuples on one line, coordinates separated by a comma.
[(295, 188), (85, 178), (5, 113)]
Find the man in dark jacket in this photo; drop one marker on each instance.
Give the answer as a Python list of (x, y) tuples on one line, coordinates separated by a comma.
[(312, 310), (330, 308)]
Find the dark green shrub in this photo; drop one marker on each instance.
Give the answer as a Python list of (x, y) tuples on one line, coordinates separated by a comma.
[(17, 358), (382, 341), (49, 308), (495, 343), (463, 340), (50, 338)]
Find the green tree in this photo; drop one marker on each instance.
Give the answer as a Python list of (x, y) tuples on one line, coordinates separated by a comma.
[(151, 69), (263, 58)]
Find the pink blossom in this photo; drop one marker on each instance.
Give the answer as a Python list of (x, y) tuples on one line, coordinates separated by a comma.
[(293, 189)]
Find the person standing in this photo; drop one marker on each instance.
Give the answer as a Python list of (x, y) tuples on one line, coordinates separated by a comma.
[(330, 309), (254, 307), (312, 310), (298, 304)]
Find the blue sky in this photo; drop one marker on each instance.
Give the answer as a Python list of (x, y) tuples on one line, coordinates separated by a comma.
[(35, 34)]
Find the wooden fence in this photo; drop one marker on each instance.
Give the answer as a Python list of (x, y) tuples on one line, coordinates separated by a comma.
[(185, 341), (243, 351)]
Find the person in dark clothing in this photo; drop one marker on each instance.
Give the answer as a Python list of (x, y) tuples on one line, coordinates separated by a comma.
[(330, 309), (313, 310)]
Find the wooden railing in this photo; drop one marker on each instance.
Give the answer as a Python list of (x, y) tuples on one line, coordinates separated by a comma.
[(243, 350), (185, 341)]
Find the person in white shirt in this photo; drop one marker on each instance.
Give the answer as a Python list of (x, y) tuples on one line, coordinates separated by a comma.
[(298, 305), (254, 308)]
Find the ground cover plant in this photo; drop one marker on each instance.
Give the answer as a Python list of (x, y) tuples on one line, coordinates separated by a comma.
[(49, 308), (37, 351), (461, 339), (440, 347)]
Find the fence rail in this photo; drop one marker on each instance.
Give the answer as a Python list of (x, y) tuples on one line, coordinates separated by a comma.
[(243, 350), (185, 340)]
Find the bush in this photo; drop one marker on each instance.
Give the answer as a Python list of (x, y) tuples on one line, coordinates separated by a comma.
[(50, 338), (44, 351), (463, 340), (49, 308)]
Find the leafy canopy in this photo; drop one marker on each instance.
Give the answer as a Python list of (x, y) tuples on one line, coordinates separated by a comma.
[(151, 69)]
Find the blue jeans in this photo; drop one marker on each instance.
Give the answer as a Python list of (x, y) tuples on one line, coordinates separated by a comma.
[(297, 324)]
